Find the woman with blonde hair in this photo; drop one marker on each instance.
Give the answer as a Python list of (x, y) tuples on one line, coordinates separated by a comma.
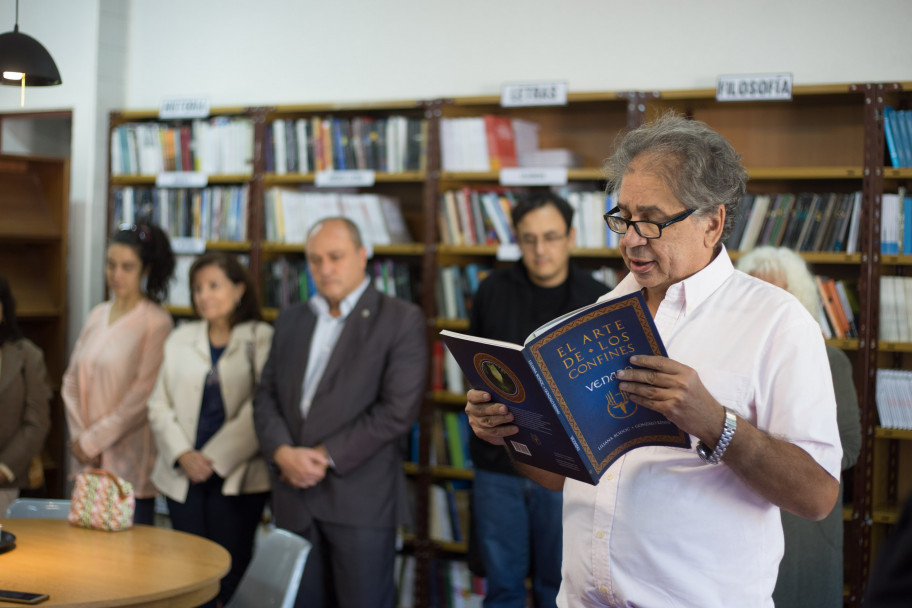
[(810, 573)]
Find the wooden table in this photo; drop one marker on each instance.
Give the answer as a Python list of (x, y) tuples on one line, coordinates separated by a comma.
[(144, 566)]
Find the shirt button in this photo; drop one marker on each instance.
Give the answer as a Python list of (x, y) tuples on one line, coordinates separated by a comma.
[(603, 590), (600, 534), (609, 476)]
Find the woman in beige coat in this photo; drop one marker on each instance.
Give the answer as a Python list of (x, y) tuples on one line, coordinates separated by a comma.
[(201, 411)]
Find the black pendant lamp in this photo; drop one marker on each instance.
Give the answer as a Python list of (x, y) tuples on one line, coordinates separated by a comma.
[(24, 61)]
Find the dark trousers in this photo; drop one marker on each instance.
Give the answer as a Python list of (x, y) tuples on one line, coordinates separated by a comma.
[(348, 567), (144, 512), (231, 521)]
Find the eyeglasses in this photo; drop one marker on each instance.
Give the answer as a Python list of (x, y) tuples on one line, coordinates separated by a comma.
[(531, 241), (647, 230), (143, 232)]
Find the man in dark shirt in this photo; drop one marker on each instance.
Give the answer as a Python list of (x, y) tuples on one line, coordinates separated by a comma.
[(518, 523)]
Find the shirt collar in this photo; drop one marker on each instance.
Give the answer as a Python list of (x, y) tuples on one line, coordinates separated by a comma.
[(693, 290), (320, 306)]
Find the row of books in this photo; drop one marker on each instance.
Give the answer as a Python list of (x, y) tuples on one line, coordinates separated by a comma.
[(304, 145), (450, 433), (449, 511), (290, 214), (456, 286), (838, 307), (898, 133), (894, 398), (218, 146), (895, 321), (469, 216), (492, 143), (288, 281), (451, 584), (896, 223), (216, 213), (802, 222)]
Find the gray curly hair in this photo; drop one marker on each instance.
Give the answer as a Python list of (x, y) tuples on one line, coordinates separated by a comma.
[(699, 167)]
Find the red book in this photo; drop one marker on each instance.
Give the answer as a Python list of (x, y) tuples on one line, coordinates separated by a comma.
[(186, 157), (501, 143), (437, 366)]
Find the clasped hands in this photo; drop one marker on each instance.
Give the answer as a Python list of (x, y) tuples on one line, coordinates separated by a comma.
[(302, 467), (196, 465), (661, 384)]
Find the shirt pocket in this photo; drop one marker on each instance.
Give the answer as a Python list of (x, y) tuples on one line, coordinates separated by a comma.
[(731, 390)]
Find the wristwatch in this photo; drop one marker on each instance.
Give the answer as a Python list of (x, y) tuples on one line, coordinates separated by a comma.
[(728, 431)]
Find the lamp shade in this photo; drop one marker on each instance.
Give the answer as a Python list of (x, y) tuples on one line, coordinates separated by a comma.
[(21, 53)]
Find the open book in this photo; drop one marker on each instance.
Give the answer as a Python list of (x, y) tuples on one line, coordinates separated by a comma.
[(562, 388)]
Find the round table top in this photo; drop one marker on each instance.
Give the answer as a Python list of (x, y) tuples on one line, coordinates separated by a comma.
[(143, 566)]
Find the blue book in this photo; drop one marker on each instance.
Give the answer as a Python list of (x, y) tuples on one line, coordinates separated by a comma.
[(904, 119), (562, 387), (891, 134), (907, 226)]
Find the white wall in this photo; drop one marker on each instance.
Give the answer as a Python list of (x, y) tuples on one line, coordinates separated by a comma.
[(290, 51), (114, 54)]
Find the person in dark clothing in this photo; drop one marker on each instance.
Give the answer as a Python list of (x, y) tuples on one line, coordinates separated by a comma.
[(890, 585), (517, 522)]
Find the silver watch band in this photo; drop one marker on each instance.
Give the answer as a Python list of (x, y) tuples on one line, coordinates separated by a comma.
[(728, 431)]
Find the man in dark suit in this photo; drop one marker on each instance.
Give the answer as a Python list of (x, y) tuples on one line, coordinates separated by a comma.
[(343, 382)]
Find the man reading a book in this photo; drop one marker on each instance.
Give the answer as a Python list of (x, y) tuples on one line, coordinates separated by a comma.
[(746, 376), (517, 521)]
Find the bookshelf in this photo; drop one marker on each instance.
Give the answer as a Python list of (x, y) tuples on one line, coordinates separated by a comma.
[(828, 138), (34, 205)]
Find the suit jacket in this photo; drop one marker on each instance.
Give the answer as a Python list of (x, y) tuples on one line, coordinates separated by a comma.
[(25, 413), (174, 408), (368, 398)]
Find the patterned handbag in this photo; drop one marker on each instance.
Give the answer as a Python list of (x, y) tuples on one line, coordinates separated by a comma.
[(102, 500)]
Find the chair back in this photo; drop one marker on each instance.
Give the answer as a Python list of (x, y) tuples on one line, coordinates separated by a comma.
[(274, 573), (39, 508)]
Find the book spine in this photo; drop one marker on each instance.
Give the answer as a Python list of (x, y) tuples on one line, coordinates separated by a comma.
[(581, 459)]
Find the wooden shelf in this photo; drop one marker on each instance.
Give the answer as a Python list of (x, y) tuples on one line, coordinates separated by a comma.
[(451, 324), (448, 398), (796, 173), (583, 174), (404, 249), (895, 347), (273, 179), (885, 514), (885, 433), (149, 180)]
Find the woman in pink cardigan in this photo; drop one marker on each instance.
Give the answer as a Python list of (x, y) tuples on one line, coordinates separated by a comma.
[(115, 363)]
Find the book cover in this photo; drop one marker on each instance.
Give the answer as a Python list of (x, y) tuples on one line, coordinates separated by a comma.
[(562, 387)]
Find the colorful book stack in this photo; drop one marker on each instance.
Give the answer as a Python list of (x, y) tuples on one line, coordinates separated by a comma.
[(898, 135), (218, 146), (216, 213), (894, 398), (802, 222), (289, 215), (394, 144)]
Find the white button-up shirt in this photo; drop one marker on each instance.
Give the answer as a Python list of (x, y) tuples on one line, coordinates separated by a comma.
[(325, 335), (662, 528)]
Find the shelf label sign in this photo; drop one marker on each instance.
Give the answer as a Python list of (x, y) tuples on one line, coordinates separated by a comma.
[(508, 252), (188, 245), (533, 176), (184, 107), (181, 179), (338, 179), (758, 87), (535, 94)]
